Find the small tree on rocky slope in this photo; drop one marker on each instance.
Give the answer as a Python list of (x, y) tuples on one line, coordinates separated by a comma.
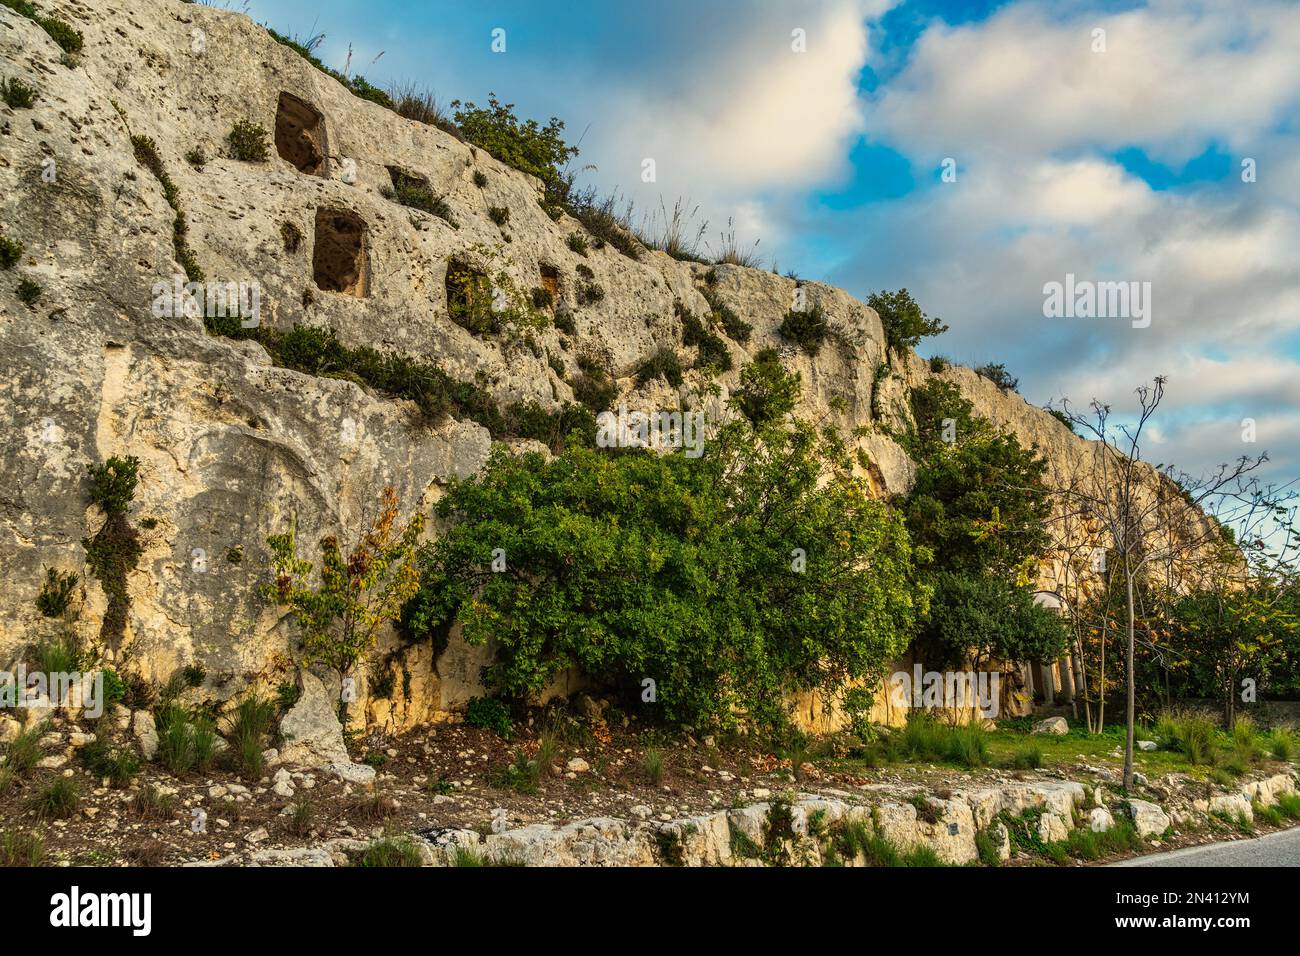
[(341, 613), (1151, 519)]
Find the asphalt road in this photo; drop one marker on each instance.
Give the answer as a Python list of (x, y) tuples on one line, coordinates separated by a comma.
[(1274, 849)]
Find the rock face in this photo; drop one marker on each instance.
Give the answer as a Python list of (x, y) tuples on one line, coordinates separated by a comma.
[(1148, 818), (313, 736), (232, 449), (1056, 726)]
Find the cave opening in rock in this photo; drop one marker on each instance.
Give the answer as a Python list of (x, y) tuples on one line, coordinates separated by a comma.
[(300, 135), (339, 257), (551, 281)]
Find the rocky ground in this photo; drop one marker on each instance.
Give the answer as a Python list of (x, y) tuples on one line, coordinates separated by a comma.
[(576, 788)]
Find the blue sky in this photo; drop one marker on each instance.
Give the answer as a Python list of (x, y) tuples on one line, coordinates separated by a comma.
[(1121, 163)]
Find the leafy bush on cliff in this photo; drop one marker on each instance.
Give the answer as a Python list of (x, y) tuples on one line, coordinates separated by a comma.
[(903, 321), (726, 580)]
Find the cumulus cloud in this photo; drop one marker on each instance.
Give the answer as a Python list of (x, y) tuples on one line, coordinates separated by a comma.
[(1034, 119)]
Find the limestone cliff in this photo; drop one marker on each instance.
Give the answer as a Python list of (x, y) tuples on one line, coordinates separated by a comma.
[(231, 446)]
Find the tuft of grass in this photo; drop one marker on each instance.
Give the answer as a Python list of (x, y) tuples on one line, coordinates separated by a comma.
[(150, 803), (731, 252), (57, 801), (301, 812), (118, 765), (17, 94), (25, 750), (420, 103), (248, 142), (1191, 736), (248, 734), (1271, 816), (987, 849), (1281, 744), (466, 857), (521, 775), (652, 764), (60, 654), (1288, 804), (21, 848), (391, 852), (1029, 757), (602, 218)]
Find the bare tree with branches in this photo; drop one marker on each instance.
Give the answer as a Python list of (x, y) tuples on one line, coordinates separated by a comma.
[(1149, 516)]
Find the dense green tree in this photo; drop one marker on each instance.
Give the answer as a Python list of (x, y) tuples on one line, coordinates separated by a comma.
[(903, 321), (978, 504), (990, 618), (760, 568)]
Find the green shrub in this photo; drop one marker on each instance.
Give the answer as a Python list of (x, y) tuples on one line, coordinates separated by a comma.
[(416, 193), (113, 484), (11, 252), (55, 598), (526, 145), (480, 178), (490, 714), (248, 142), (58, 30), (633, 591), (902, 320), (713, 350), (999, 376), (766, 393), (17, 94), (986, 849), (807, 328), (662, 363), (499, 215), (723, 315), (577, 242), (115, 689), (28, 292)]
